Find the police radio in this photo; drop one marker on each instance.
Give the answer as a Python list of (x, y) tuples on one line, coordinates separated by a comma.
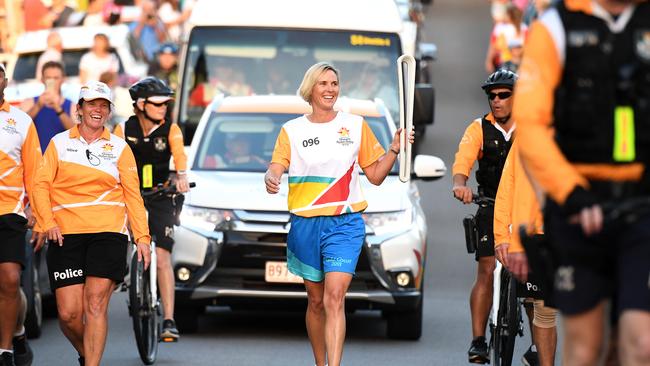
[(406, 77)]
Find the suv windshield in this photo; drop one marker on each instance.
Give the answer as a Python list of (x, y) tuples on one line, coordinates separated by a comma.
[(245, 142), (26, 64), (270, 61)]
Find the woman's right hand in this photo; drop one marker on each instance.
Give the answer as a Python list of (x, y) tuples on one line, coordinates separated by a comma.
[(54, 235), (144, 253), (272, 183)]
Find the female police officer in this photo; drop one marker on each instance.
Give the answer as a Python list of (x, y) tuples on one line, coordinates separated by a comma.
[(86, 187)]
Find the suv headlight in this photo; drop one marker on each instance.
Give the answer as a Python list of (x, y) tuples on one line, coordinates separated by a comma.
[(205, 218), (388, 222)]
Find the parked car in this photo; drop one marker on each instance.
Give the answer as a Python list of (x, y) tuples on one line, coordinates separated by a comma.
[(231, 246), (21, 70)]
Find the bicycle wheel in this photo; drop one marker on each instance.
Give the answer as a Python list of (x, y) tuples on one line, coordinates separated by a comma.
[(145, 314), (508, 319)]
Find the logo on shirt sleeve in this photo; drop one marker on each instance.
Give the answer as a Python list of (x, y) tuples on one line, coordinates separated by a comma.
[(344, 137)]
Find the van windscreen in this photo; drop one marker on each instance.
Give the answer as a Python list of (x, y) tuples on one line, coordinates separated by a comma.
[(243, 61)]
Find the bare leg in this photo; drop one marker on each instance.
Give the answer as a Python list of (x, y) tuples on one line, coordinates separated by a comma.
[(9, 301), (95, 301), (315, 320), (545, 341), (583, 337), (166, 282), (480, 301), (22, 312), (69, 304), (634, 338), (336, 285)]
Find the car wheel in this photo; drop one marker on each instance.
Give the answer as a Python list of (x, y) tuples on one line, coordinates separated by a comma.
[(406, 325), (32, 289), (187, 317)]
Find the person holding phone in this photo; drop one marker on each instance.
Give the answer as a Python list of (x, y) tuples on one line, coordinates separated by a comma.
[(149, 29), (50, 110)]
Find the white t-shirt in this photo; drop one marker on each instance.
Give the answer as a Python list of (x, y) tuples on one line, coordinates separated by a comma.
[(322, 159), (94, 66)]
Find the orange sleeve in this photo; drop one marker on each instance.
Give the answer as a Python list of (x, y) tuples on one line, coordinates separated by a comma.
[(42, 206), (540, 74), (177, 147), (117, 131), (282, 150), (31, 156), (130, 183), (370, 149), (469, 149), (503, 202)]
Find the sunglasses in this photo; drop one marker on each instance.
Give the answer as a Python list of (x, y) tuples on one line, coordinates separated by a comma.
[(502, 95), (158, 104)]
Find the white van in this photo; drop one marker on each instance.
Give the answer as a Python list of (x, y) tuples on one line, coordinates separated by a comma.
[(261, 47)]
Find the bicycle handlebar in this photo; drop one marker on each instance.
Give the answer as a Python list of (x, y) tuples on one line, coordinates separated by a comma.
[(482, 200), (160, 190)]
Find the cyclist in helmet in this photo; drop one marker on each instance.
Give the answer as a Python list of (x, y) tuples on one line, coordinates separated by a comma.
[(486, 140), (154, 141)]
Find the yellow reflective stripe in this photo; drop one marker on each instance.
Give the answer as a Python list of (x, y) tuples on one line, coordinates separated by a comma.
[(624, 138), (147, 176)]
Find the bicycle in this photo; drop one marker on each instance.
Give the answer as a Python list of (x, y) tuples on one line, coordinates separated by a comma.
[(506, 316), (143, 302)]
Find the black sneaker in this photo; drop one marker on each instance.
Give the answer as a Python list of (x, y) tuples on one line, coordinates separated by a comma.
[(530, 357), (23, 355), (7, 359), (169, 331), (478, 351)]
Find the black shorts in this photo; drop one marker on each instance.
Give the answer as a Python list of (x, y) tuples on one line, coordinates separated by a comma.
[(161, 221), (485, 225), (13, 228), (612, 264), (98, 255)]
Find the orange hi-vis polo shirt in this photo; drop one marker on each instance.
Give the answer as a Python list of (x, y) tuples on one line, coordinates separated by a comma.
[(470, 148), (90, 187), (20, 154), (540, 74), (515, 204)]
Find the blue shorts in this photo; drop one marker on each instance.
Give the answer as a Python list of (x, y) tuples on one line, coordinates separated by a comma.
[(321, 244)]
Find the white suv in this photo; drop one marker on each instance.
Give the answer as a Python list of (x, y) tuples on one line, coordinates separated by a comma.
[(231, 246)]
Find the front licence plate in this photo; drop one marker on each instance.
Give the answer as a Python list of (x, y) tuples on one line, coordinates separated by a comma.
[(278, 272)]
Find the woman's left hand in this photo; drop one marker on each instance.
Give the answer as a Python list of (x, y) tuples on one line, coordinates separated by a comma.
[(144, 252), (395, 145)]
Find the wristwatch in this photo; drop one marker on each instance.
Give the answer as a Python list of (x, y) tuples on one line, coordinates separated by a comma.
[(60, 112)]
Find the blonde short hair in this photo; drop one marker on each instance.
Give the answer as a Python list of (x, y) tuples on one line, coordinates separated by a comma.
[(311, 78)]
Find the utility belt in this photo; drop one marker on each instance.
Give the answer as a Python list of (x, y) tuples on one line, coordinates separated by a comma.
[(617, 190), (471, 225)]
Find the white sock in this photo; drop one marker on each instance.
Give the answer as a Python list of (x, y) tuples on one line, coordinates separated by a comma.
[(533, 348), (6, 350), (20, 332)]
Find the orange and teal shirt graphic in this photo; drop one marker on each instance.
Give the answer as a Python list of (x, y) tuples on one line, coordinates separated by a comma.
[(323, 161)]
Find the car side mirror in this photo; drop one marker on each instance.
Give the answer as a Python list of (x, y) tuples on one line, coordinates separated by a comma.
[(428, 51), (428, 168), (423, 108)]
